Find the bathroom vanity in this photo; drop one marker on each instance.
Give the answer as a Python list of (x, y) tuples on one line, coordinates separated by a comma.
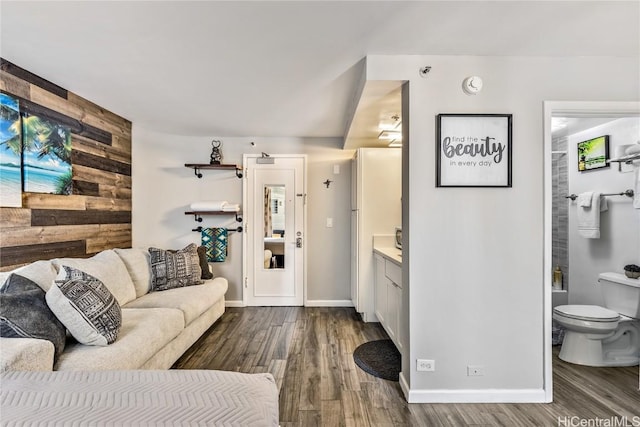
[(388, 287)]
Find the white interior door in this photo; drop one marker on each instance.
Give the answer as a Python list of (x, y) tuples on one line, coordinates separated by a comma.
[(275, 231)]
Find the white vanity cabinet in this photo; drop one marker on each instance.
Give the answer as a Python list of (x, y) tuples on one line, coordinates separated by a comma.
[(388, 295)]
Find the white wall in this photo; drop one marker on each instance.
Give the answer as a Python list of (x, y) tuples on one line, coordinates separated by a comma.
[(163, 189), (619, 242), (474, 261)]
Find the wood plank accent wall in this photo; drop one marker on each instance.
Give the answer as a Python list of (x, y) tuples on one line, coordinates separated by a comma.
[(98, 214)]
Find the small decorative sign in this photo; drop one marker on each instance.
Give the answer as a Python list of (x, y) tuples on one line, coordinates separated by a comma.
[(593, 153), (474, 150)]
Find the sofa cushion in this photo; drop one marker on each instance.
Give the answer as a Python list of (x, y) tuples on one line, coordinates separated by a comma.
[(192, 300), (204, 264), (85, 306), (24, 313), (107, 267), (138, 265), (144, 332), (177, 269), (41, 273)]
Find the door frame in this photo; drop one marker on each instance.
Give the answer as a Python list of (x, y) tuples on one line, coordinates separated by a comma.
[(245, 235), (560, 109)]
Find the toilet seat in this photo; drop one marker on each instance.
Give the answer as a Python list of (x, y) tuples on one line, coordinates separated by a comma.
[(587, 313)]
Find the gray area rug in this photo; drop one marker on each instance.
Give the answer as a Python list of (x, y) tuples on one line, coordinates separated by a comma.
[(380, 359)]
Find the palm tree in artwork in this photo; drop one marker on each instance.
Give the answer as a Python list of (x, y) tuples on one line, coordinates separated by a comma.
[(47, 138)]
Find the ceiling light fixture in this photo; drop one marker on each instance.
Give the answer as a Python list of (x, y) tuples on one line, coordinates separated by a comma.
[(392, 124), (393, 135)]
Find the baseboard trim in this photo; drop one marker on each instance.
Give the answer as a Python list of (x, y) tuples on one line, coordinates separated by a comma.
[(329, 303), (475, 396), (404, 386), (233, 303)]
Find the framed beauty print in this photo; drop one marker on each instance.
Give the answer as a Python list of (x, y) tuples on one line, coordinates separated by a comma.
[(593, 153), (473, 150)]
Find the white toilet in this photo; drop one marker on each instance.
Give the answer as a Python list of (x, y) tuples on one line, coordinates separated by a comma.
[(598, 336)]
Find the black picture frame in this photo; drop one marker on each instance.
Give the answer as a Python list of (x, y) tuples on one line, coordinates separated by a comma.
[(593, 154), (474, 150)]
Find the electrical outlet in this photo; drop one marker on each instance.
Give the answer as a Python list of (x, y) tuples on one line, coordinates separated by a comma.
[(426, 365), (475, 371), (329, 222)]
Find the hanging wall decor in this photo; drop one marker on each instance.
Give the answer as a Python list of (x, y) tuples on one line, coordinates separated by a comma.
[(473, 150), (46, 155), (10, 152), (593, 153)]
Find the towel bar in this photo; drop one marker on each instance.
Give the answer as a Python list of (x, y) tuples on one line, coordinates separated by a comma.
[(628, 193), (229, 230)]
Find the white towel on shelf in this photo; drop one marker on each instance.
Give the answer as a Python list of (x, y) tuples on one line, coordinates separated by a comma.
[(589, 217), (229, 207), (584, 199), (209, 205)]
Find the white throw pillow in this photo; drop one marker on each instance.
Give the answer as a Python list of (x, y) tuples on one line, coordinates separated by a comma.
[(107, 267), (137, 262), (85, 307)]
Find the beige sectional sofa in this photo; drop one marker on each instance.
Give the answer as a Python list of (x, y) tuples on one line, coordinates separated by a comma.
[(157, 327)]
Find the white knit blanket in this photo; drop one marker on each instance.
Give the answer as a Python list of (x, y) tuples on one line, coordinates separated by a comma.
[(138, 398)]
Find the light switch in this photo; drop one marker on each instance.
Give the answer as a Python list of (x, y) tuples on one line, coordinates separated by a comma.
[(329, 222), (336, 169)]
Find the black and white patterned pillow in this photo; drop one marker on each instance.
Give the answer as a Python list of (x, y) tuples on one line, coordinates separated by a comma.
[(24, 313), (85, 306), (177, 269)]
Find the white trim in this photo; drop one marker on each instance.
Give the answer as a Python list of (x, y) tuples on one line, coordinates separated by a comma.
[(329, 303), (234, 303), (559, 109), (404, 386), (477, 396)]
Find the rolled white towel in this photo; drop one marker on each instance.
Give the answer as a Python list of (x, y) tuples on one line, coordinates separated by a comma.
[(210, 205), (633, 149)]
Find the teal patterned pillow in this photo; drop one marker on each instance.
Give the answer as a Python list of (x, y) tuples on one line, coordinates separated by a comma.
[(177, 269), (85, 306)]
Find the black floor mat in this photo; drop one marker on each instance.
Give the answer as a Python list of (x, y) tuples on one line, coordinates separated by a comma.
[(379, 358)]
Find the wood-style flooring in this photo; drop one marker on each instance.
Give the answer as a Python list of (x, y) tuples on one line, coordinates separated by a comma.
[(309, 351)]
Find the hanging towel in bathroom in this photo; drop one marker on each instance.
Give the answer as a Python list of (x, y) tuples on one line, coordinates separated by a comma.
[(589, 216), (636, 186), (584, 199), (215, 240)]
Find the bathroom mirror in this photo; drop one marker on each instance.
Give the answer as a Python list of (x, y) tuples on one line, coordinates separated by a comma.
[(274, 226)]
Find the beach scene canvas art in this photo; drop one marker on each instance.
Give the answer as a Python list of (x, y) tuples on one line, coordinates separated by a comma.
[(46, 156), (10, 152)]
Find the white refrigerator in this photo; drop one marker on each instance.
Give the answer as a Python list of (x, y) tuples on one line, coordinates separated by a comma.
[(376, 208)]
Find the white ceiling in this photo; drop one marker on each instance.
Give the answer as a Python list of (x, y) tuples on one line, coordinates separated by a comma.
[(279, 68)]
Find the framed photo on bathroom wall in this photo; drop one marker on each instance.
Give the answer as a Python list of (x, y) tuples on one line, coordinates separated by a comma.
[(473, 150), (593, 153)]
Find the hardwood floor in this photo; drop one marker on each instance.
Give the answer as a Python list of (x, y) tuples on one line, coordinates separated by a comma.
[(309, 351)]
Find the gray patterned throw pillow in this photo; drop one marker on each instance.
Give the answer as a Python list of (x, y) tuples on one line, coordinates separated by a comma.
[(85, 306), (175, 269)]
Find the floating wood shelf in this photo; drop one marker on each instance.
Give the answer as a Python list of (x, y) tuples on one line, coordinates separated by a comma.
[(197, 167), (197, 215)]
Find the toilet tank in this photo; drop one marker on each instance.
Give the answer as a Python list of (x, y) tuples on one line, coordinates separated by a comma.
[(621, 293)]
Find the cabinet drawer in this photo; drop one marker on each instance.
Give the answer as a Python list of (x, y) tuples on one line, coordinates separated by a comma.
[(393, 272)]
